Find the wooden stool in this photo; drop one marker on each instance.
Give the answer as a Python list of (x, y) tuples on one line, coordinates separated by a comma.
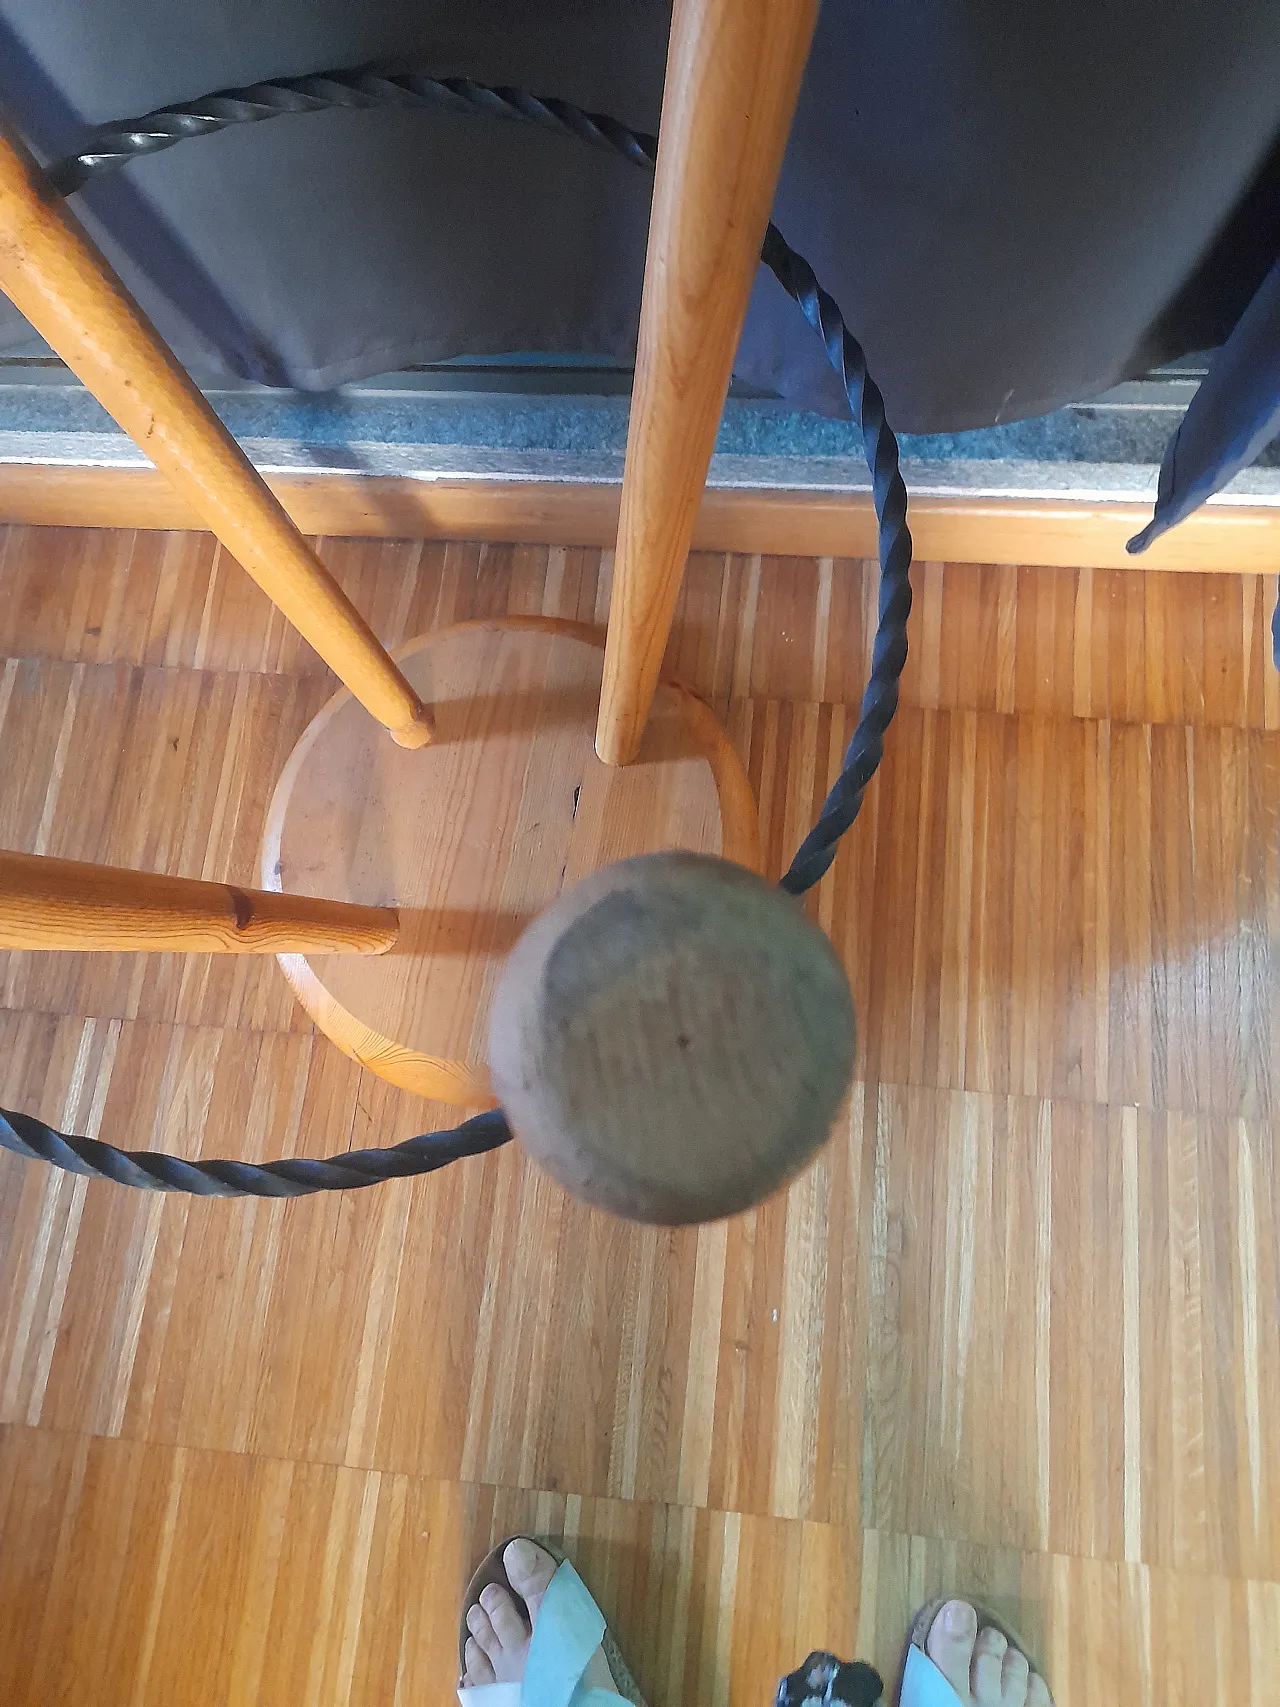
[(397, 876), (471, 838)]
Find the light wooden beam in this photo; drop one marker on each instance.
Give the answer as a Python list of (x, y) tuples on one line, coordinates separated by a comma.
[(66, 904), (733, 76), (1063, 532), (62, 284)]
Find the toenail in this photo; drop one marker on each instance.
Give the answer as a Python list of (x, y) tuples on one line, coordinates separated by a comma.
[(522, 1557), (959, 1619)]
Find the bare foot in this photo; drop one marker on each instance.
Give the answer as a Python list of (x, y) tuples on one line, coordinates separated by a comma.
[(980, 1665), (497, 1650)]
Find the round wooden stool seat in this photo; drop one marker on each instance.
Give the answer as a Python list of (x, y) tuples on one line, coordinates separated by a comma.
[(473, 836)]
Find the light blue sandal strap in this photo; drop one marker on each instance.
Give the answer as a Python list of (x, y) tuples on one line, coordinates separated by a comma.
[(509, 1695), (923, 1685), (567, 1632)]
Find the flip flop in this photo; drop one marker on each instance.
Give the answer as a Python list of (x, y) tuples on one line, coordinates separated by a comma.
[(569, 1629), (922, 1684)]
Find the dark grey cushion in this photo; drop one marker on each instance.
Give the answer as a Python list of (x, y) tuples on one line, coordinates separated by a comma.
[(1004, 198)]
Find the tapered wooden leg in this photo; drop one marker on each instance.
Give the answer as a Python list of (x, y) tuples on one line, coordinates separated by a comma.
[(733, 75), (64, 286), (61, 903)]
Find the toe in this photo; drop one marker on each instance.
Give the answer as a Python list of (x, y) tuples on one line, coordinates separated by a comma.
[(478, 1668), (1013, 1679), (949, 1644), (1038, 1692), (988, 1666), (482, 1630), (508, 1624), (530, 1569)]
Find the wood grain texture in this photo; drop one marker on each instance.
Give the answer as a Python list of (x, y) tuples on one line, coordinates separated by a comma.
[(733, 76), (1190, 649), (65, 288), (1014, 1331), (472, 838), (702, 1600), (1227, 539), (73, 905)]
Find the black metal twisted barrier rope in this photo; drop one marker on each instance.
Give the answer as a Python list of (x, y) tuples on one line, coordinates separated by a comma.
[(297, 1176), (889, 652), (112, 147)]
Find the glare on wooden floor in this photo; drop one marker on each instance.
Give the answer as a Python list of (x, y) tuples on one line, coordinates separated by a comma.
[(1012, 1334)]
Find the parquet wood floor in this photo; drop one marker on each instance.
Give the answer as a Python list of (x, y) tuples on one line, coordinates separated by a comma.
[(1015, 1333)]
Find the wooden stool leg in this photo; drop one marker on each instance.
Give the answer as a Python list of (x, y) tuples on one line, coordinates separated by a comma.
[(733, 76), (61, 903), (64, 286)]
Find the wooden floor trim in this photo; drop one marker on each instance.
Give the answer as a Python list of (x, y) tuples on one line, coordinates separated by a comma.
[(1060, 533)]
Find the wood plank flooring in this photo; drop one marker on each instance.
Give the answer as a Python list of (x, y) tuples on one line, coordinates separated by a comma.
[(1014, 1334)]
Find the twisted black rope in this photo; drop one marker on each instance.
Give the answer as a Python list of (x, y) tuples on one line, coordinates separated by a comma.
[(889, 652), (294, 1177), (113, 145)]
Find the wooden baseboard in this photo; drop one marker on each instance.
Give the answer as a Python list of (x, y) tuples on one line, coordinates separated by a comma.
[(1063, 532)]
